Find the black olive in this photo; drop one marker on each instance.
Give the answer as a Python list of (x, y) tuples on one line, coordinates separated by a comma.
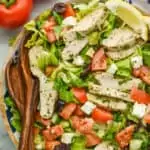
[(59, 8), (85, 71), (59, 105), (62, 147)]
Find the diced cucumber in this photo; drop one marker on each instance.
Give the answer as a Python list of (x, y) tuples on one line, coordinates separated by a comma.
[(56, 119), (65, 124)]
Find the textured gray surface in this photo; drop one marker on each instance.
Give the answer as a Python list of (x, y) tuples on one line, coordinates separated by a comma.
[(5, 143)]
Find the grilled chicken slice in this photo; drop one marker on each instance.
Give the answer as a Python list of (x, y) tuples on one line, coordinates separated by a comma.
[(108, 92), (120, 38), (89, 22), (107, 80), (73, 49), (108, 103), (118, 55), (86, 25), (48, 95)]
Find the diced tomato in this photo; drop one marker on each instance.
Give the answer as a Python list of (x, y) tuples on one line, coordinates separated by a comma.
[(57, 131), (79, 112), (45, 122), (140, 96), (136, 72), (82, 125), (147, 118), (36, 131), (99, 61), (49, 25), (123, 138), (92, 140), (46, 134), (145, 74), (69, 11), (53, 133), (68, 110), (101, 116), (50, 145), (80, 94), (51, 36)]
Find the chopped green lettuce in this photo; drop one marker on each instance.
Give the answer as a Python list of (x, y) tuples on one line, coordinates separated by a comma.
[(124, 68), (42, 18), (93, 38), (46, 60), (58, 18), (146, 54), (144, 136), (86, 8), (63, 90), (16, 119)]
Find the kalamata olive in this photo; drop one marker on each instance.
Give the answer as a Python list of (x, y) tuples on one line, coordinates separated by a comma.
[(59, 8), (59, 105), (62, 147), (85, 71)]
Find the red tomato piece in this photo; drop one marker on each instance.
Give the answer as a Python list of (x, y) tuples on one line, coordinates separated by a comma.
[(79, 112), (136, 72), (140, 96), (49, 25), (123, 138), (53, 133), (51, 36), (45, 122), (69, 11), (68, 110), (145, 74), (99, 61), (47, 136), (82, 125), (147, 118), (50, 145), (101, 116), (80, 94), (92, 140)]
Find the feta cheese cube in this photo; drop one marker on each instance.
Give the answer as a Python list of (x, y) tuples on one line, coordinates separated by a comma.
[(88, 107), (67, 138), (78, 61), (137, 61), (69, 21), (139, 110), (112, 69)]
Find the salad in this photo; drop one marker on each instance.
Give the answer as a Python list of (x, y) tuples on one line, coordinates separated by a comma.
[(90, 69)]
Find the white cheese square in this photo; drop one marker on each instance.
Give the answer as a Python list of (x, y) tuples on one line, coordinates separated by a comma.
[(67, 138), (88, 107), (112, 69), (137, 61), (139, 110), (78, 61)]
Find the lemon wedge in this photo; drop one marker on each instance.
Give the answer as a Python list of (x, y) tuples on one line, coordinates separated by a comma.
[(130, 15)]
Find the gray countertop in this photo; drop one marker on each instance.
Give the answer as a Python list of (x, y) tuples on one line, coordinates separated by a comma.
[(5, 143)]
